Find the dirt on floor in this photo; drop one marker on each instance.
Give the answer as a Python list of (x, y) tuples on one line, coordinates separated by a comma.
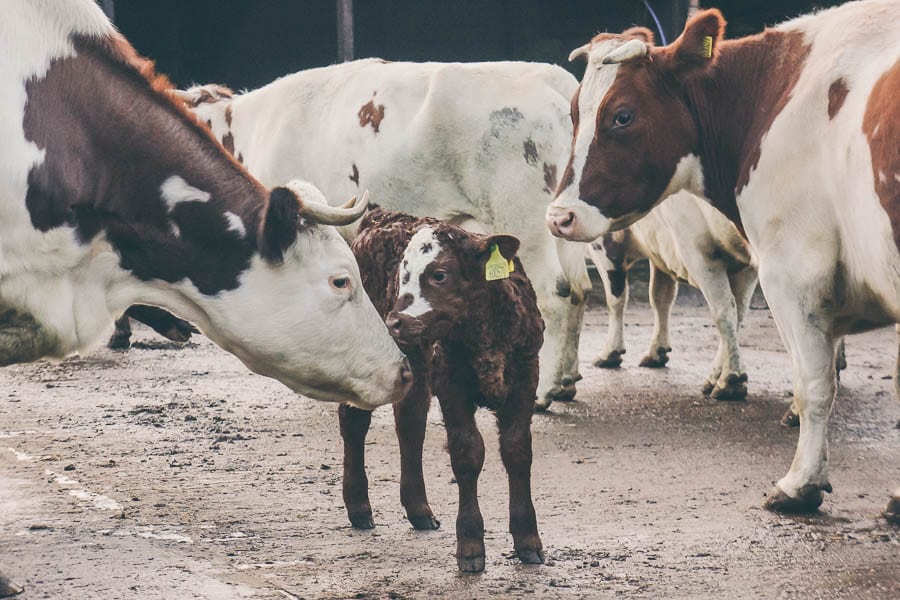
[(171, 472)]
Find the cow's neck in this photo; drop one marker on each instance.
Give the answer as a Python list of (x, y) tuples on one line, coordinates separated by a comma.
[(734, 106), (111, 142)]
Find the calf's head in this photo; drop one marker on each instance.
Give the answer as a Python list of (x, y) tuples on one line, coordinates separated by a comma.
[(300, 313), (635, 138), (442, 278)]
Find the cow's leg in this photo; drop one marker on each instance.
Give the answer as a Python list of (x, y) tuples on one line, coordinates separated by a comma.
[(615, 288), (514, 424), (663, 289), (22, 338), (121, 337), (8, 587), (791, 418), (162, 322), (354, 427), (466, 448), (410, 419), (897, 369), (806, 332)]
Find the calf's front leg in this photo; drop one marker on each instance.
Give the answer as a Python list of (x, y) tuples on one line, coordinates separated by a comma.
[(663, 288), (466, 448), (354, 427)]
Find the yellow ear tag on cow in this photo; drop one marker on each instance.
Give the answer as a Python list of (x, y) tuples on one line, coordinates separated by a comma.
[(497, 267), (512, 266), (707, 46)]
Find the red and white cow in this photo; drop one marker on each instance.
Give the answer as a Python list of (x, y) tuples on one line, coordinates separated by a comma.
[(684, 239), (478, 145), (112, 194), (793, 134)]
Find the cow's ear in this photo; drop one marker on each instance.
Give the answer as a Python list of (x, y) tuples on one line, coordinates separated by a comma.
[(697, 48), (507, 244), (280, 223)]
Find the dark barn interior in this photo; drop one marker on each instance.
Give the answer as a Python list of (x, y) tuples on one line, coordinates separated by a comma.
[(246, 44)]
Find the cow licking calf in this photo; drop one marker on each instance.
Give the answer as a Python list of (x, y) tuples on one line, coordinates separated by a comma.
[(464, 311)]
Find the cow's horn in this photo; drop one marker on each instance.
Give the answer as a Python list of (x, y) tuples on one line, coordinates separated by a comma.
[(627, 51), (336, 215), (579, 52)]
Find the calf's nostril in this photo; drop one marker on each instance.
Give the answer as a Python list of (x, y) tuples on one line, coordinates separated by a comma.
[(394, 325), (567, 221)]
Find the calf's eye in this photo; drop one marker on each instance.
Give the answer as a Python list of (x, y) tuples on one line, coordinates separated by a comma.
[(623, 118), (439, 276)]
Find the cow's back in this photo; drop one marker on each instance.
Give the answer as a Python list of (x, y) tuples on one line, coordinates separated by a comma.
[(427, 138)]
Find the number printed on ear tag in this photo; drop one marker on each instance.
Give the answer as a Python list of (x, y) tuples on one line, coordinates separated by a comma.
[(496, 267), (707, 46)]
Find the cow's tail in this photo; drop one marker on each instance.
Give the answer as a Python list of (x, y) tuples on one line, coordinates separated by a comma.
[(572, 260)]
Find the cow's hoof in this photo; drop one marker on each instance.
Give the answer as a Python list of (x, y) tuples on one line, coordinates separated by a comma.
[(892, 511), (733, 388), (362, 521), (807, 502), (658, 361), (790, 419), (530, 556), (470, 564), (613, 360), (424, 522), (118, 342), (9, 588), (708, 386), (178, 334), (562, 393)]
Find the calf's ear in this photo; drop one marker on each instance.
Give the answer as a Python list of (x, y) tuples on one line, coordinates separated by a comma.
[(507, 244), (697, 48), (281, 220)]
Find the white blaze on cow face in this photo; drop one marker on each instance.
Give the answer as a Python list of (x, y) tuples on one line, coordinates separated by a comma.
[(423, 248)]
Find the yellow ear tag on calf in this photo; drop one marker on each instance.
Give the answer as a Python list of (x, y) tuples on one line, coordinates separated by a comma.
[(497, 267), (707, 46)]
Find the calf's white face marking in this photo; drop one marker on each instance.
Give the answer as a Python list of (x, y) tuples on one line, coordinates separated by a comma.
[(421, 251)]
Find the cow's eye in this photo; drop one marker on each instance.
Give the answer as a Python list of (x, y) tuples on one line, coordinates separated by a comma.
[(341, 282), (623, 118), (439, 276)]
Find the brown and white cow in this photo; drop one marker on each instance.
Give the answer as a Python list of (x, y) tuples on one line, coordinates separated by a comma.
[(792, 133), (112, 194)]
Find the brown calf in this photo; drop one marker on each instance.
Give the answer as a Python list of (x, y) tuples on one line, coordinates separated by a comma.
[(473, 341)]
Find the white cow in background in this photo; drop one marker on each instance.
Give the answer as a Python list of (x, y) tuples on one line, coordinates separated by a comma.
[(685, 239), (478, 145)]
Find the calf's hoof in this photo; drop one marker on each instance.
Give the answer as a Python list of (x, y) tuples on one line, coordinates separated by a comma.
[(613, 360), (892, 511), (9, 588), (531, 556), (733, 388), (470, 564), (790, 419), (807, 502), (362, 520), (424, 522), (562, 392), (180, 333), (658, 361)]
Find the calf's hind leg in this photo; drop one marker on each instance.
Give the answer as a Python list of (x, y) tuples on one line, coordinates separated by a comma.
[(514, 424), (354, 427), (615, 288)]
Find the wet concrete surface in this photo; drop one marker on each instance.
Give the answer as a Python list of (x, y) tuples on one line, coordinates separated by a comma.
[(171, 472)]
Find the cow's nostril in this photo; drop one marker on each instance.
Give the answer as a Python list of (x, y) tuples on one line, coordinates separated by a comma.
[(567, 221)]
